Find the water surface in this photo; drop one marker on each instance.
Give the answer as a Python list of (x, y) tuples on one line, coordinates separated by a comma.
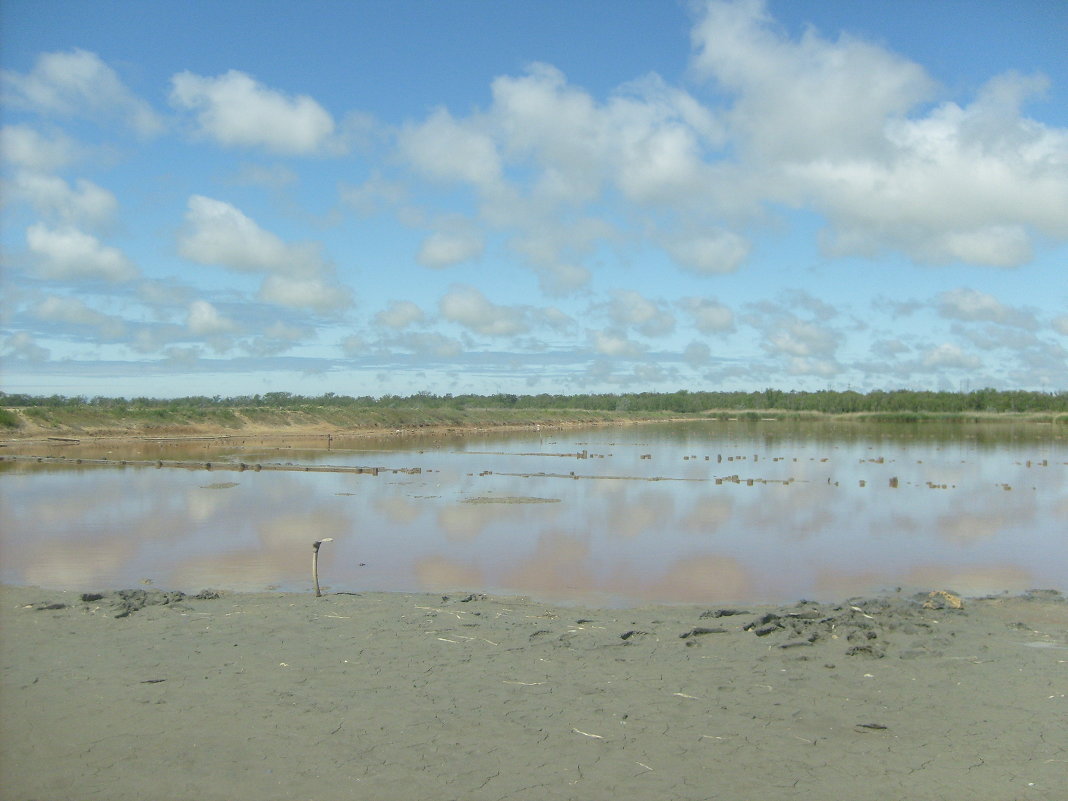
[(705, 512)]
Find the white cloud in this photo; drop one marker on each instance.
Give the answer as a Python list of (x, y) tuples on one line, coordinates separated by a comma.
[(697, 354), (374, 194), (471, 309), (709, 316), (822, 368), (296, 276), (400, 314), (455, 242), (708, 253), (304, 293), (950, 356), (23, 146), (631, 309), (1060, 325), (52, 197), (825, 125), (971, 305), (436, 346), (72, 311), (615, 344), (803, 100), (67, 253), (802, 339), (445, 149), (218, 233), (22, 345), (237, 111), (78, 83), (205, 320)]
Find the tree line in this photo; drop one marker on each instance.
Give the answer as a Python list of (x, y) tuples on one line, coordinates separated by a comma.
[(681, 402)]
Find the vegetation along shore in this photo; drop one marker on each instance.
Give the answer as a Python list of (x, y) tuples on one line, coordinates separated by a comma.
[(23, 416)]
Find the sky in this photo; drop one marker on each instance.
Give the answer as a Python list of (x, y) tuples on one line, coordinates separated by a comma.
[(387, 197)]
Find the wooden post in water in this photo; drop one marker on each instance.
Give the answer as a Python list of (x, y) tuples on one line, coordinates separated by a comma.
[(315, 563)]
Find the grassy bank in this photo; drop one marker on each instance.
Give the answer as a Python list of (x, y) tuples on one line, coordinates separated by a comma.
[(89, 421), (147, 421)]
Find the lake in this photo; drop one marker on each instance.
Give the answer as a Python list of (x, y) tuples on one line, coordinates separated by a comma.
[(719, 511)]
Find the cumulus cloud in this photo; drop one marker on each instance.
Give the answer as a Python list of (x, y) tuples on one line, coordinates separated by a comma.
[(400, 314), (68, 253), (427, 344), (455, 242), (83, 204), (615, 344), (802, 100), (709, 315), (236, 110), (826, 124), (800, 338), (630, 309), (22, 345), (708, 253), (205, 320), (473, 310), (304, 293), (218, 233), (446, 149), (1060, 324), (971, 305), (74, 312), (25, 147), (78, 83), (696, 354), (948, 355), (545, 152)]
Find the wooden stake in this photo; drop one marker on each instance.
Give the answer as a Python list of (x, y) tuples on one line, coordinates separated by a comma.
[(315, 563)]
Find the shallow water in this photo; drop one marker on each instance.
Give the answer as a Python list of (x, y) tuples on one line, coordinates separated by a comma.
[(701, 512)]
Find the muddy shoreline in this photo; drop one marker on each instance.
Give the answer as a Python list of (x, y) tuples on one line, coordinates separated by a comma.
[(149, 694)]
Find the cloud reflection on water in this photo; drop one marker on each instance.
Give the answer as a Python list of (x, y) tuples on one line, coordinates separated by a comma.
[(822, 534)]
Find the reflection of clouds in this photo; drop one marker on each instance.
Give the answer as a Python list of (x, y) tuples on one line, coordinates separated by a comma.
[(709, 513), (970, 580), (701, 579), (559, 565), (463, 522), (204, 504), (398, 510), (438, 573), (635, 512), (627, 539), (797, 511), (75, 564), (281, 533), (972, 519), (967, 528), (245, 569), (281, 553), (964, 580)]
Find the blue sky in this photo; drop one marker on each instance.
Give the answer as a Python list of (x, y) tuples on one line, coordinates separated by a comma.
[(389, 197)]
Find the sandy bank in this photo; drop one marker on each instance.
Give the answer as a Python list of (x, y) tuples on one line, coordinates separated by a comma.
[(395, 696)]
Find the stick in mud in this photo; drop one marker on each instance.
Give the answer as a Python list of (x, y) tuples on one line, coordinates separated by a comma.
[(315, 563)]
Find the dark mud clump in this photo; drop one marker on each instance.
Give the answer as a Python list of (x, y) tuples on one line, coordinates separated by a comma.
[(122, 603), (860, 627)]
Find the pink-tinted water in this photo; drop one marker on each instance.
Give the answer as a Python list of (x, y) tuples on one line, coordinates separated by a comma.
[(714, 512)]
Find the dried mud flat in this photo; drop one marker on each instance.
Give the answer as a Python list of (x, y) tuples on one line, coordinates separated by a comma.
[(147, 694)]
